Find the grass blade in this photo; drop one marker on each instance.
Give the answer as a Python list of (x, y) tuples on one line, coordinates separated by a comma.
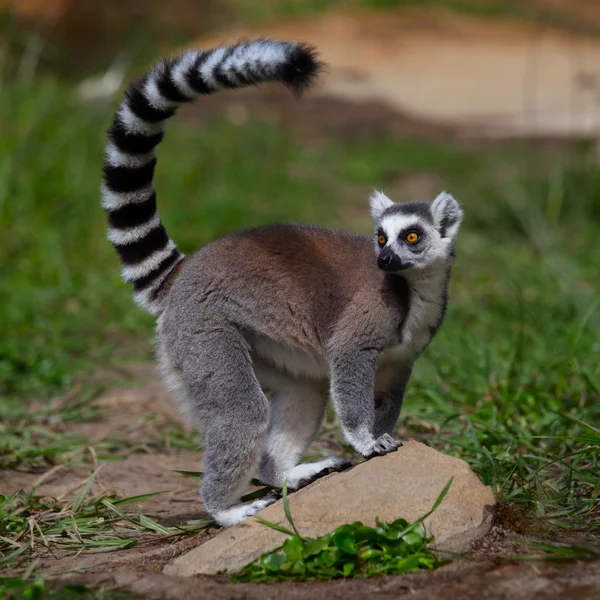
[(79, 497), (194, 474), (273, 525), (256, 494), (286, 509), (148, 523), (139, 498), (435, 506), (12, 556)]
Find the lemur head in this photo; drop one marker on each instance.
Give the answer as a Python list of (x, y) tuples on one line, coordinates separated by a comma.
[(414, 235)]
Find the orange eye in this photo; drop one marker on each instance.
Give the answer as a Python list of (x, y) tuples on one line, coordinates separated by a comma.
[(382, 240), (412, 237)]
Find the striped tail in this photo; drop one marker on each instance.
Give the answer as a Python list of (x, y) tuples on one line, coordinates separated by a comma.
[(149, 257)]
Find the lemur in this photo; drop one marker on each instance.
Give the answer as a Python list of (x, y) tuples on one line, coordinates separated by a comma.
[(257, 327)]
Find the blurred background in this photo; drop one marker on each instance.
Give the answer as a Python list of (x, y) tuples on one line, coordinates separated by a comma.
[(497, 102)]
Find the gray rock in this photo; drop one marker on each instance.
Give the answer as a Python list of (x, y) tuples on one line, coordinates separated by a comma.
[(403, 484)]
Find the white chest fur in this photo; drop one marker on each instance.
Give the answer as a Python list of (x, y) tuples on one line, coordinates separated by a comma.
[(295, 361), (427, 302)]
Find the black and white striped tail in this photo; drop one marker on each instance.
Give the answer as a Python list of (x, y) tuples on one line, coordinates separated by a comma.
[(128, 195)]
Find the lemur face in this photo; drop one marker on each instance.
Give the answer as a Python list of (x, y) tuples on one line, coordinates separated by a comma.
[(414, 235)]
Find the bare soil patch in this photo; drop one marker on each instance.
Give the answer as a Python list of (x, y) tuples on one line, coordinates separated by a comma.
[(150, 469), (484, 78), (466, 580)]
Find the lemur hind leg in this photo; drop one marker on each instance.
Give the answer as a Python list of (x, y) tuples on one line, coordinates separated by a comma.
[(297, 408), (222, 397)]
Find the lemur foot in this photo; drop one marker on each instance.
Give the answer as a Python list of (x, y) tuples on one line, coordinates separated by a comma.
[(240, 512), (303, 474)]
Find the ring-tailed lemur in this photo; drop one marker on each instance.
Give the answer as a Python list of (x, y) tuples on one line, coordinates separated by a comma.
[(287, 309)]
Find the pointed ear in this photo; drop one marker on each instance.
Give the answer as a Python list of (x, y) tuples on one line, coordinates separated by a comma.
[(447, 215), (379, 202)]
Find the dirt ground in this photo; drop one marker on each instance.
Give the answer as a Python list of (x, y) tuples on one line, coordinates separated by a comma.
[(150, 469), (508, 582), (493, 78)]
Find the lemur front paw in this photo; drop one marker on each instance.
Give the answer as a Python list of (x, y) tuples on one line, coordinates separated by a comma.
[(382, 445)]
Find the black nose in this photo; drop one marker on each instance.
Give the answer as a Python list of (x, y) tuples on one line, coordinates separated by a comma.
[(384, 261), (388, 261)]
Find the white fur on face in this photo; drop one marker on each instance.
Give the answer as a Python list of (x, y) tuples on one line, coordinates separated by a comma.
[(394, 224), (435, 246)]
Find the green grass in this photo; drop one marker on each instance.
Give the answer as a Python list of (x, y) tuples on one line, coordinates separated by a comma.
[(351, 550), (511, 383), (19, 588), (35, 436), (560, 553), (86, 523)]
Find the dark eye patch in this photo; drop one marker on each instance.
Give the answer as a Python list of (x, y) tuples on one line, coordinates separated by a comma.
[(404, 232), (415, 246), (381, 237)]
